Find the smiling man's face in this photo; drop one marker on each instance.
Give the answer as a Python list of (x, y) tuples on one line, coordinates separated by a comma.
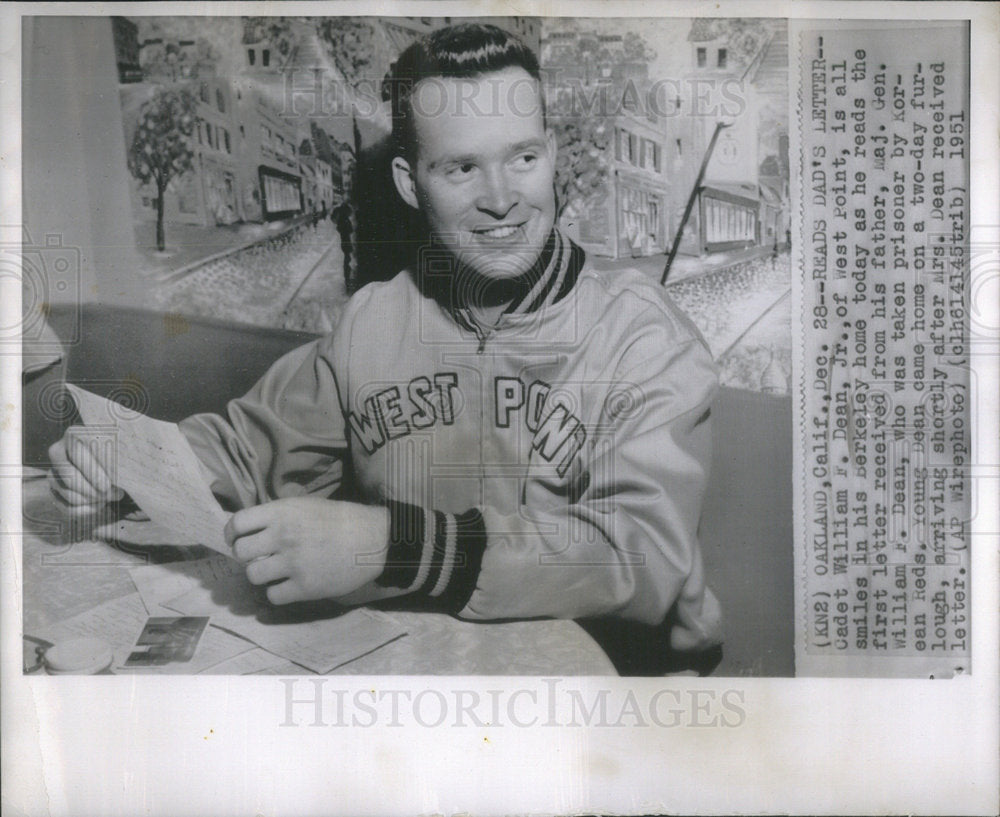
[(484, 170)]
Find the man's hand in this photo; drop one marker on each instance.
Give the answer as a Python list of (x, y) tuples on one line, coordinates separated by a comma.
[(316, 548), (77, 479)]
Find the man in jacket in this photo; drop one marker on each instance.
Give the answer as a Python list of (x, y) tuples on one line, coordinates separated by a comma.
[(500, 431)]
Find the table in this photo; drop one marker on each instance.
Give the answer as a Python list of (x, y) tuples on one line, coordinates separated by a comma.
[(62, 578)]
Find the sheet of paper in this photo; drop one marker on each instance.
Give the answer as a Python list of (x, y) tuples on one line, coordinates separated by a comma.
[(138, 529), (152, 461), (250, 662), (303, 635), (158, 583), (120, 621)]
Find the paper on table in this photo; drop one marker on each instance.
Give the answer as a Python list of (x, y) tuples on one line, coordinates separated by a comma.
[(153, 462), (158, 583), (248, 663), (119, 622), (317, 643)]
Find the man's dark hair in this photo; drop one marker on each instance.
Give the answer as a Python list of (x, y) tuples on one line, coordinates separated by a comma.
[(458, 52)]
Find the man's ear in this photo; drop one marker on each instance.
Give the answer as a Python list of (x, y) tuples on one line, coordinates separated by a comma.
[(551, 145), (402, 175)]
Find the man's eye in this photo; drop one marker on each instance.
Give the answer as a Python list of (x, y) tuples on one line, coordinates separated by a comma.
[(525, 160), (462, 170)]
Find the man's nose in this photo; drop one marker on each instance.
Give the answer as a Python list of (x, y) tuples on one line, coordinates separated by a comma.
[(498, 196)]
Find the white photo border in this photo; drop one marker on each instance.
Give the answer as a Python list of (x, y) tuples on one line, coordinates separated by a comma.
[(216, 745)]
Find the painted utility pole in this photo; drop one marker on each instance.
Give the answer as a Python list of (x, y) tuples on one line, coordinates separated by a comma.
[(691, 199)]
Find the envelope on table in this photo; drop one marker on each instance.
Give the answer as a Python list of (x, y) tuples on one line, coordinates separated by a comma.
[(318, 637)]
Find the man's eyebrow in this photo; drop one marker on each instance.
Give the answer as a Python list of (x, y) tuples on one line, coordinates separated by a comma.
[(468, 158), (536, 142), (471, 158)]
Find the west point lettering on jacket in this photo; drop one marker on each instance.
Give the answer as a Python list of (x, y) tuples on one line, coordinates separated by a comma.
[(431, 400), (558, 434)]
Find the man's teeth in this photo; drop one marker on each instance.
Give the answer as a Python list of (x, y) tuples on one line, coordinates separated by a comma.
[(499, 232)]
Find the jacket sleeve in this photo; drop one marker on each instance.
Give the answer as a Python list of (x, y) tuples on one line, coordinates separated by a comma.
[(286, 437), (625, 544)]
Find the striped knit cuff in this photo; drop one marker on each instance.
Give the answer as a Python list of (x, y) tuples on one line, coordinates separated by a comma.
[(435, 555)]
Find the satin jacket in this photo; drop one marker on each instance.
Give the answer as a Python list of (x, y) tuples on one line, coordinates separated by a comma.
[(550, 465)]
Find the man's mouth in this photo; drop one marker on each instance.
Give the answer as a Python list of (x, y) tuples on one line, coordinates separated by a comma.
[(499, 232)]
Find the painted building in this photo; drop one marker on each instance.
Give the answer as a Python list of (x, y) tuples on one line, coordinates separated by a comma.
[(272, 156), (737, 205), (125, 36), (627, 216), (769, 76), (727, 207), (401, 31), (206, 194), (217, 160), (640, 187), (528, 29), (324, 185), (658, 148), (317, 171), (245, 164)]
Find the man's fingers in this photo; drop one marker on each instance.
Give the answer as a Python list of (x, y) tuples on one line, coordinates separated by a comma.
[(73, 487), (247, 521), (57, 453), (64, 473), (266, 569), (285, 593), (82, 452), (75, 503), (70, 488), (64, 493), (77, 475), (253, 546)]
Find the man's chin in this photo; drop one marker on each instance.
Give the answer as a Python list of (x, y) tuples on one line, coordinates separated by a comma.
[(504, 266)]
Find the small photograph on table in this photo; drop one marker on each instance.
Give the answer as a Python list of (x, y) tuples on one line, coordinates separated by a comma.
[(166, 639)]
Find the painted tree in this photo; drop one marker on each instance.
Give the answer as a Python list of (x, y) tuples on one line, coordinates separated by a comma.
[(179, 49), (161, 149), (589, 53), (582, 113), (744, 36), (636, 49), (354, 47), (278, 31), (584, 153), (360, 57)]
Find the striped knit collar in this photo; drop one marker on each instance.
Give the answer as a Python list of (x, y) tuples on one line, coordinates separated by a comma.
[(548, 281), (560, 266)]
